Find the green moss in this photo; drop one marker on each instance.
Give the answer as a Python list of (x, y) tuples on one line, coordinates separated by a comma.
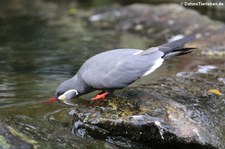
[(72, 11), (3, 143), (23, 137)]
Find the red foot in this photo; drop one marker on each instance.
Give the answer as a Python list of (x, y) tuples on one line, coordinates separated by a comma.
[(100, 96)]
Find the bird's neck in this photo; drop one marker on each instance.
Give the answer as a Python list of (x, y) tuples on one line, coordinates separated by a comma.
[(80, 85)]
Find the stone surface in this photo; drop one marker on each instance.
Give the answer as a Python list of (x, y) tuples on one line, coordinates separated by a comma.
[(11, 138), (173, 112)]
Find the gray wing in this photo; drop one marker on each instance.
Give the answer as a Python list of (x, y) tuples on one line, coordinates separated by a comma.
[(117, 68)]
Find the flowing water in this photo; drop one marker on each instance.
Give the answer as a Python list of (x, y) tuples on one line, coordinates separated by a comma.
[(40, 48)]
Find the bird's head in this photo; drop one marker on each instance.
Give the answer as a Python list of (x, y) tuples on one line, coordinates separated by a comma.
[(66, 95), (65, 92)]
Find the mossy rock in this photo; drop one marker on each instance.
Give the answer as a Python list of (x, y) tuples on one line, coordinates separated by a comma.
[(11, 138)]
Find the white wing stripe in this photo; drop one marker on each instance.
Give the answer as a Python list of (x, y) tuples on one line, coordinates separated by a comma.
[(158, 63), (136, 53)]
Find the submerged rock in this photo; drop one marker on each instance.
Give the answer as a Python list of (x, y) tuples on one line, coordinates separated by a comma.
[(175, 112), (11, 138)]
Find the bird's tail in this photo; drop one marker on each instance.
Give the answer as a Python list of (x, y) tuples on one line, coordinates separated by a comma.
[(175, 48), (177, 52)]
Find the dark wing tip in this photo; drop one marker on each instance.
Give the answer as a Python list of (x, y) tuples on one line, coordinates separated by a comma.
[(176, 46)]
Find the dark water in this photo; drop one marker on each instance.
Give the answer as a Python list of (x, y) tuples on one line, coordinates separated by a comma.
[(42, 44)]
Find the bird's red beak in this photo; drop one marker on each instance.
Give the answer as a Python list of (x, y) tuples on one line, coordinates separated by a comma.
[(51, 100)]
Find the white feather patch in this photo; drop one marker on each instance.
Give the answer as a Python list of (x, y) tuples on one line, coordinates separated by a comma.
[(136, 53), (158, 63), (172, 54), (63, 96), (71, 90)]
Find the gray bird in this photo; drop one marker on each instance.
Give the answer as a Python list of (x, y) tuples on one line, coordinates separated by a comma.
[(116, 69)]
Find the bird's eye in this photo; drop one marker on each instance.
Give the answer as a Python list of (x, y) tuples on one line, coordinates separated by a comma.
[(59, 93)]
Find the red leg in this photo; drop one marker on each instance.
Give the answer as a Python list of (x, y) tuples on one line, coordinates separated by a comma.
[(100, 96)]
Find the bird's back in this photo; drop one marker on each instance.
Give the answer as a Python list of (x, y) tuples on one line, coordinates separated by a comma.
[(116, 68)]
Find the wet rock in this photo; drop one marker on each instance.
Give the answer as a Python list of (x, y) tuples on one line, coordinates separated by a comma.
[(11, 138), (49, 133), (165, 21), (175, 112)]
